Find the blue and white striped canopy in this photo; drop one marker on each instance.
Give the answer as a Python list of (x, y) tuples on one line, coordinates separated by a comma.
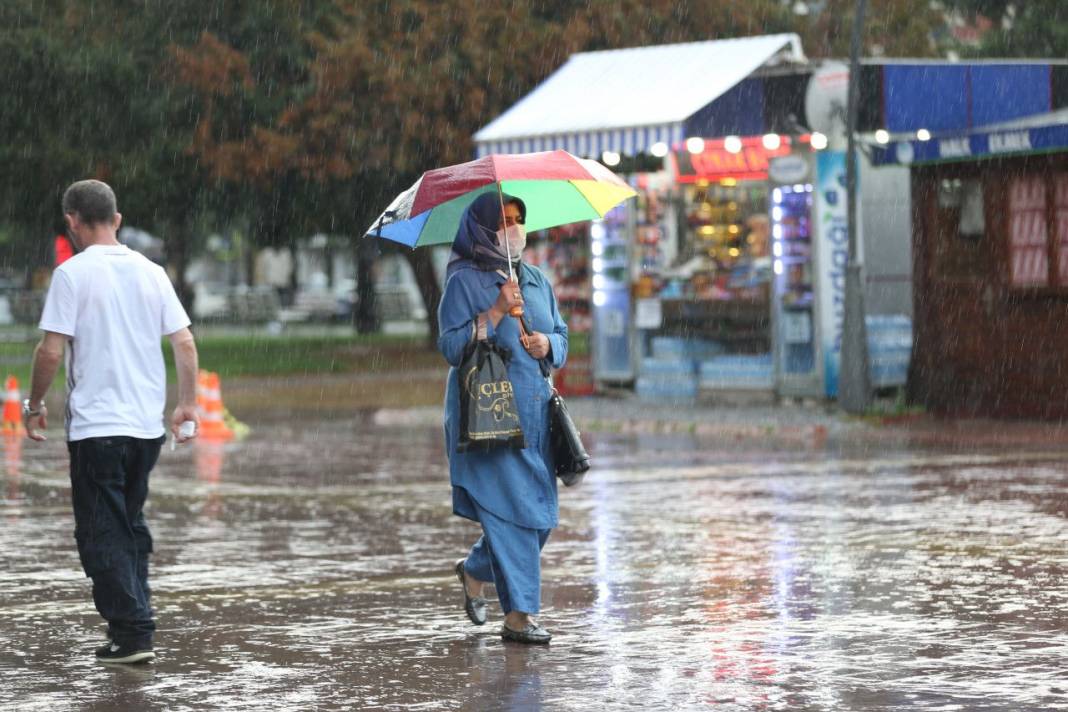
[(590, 144), (627, 100)]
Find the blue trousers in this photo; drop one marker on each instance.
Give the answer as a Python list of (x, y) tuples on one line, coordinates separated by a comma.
[(109, 485), (510, 556)]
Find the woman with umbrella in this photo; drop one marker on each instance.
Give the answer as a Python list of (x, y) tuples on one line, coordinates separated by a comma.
[(511, 493)]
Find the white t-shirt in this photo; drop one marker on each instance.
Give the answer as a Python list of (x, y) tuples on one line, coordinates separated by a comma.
[(115, 305)]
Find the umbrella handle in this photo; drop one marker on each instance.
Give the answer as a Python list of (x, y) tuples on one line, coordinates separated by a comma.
[(524, 330)]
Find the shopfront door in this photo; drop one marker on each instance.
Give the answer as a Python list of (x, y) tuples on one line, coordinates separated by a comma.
[(795, 329), (613, 331)]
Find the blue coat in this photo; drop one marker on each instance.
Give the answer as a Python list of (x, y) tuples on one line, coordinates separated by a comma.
[(516, 485)]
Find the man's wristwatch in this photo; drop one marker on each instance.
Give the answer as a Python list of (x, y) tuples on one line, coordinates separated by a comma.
[(31, 412)]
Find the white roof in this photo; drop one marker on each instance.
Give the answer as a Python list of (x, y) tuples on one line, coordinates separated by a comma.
[(639, 88)]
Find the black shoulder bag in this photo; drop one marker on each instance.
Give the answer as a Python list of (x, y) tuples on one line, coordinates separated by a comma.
[(570, 459)]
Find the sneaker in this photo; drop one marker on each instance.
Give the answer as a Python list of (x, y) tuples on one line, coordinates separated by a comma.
[(113, 653)]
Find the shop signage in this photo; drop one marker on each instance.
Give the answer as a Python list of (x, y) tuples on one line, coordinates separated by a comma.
[(716, 162), (977, 145), (832, 256), (788, 169)]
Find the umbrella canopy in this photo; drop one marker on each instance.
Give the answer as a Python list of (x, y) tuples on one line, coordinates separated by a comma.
[(557, 187)]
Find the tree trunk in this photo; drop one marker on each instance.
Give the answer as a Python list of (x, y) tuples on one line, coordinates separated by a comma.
[(43, 259), (249, 252), (366, 320), (328, 264), (177, 245), (294, 275), (429, 289)]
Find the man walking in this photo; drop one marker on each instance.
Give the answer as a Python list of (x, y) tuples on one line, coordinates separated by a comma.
[(109, 307)]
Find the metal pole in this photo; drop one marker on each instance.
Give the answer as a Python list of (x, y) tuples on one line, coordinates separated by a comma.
[(854, 381), (507, 247)]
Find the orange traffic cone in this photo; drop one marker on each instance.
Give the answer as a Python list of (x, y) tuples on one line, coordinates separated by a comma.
[(212, 424), (12, 406)]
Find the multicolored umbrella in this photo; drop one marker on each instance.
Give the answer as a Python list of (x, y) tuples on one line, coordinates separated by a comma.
[(557, 187)]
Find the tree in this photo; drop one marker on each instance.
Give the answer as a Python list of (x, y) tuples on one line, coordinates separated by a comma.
[(894, 28), (291, 118), (397, 87), (61, 118), (1036, 28), (92, 90)]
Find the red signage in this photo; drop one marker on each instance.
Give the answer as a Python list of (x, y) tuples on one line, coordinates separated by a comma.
[(715, 162)]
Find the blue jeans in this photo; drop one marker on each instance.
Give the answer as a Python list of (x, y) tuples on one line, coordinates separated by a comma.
[(109, 485)]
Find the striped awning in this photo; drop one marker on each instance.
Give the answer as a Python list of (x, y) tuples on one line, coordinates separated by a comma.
[(628, 100), (591, 144)]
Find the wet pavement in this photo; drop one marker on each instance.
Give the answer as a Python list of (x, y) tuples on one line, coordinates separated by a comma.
[(310, 567)]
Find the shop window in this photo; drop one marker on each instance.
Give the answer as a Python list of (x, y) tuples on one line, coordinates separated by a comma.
[(964, 197), (1028, 233), (962, 225), (705, 259), (1060, 216)]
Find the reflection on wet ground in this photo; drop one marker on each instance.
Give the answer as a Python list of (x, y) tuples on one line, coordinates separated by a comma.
[(310, 567)]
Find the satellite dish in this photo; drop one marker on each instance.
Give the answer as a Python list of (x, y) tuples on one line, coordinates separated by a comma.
[(826, 99)]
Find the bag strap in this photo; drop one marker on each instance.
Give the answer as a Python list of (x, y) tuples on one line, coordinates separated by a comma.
[(547, 371)]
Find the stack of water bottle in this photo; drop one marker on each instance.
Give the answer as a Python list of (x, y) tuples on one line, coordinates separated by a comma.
[(738, 372), (670, 374), (680, 367), (889, 349)]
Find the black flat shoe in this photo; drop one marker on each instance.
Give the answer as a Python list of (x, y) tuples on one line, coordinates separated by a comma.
[(531, 635), (476, 607)]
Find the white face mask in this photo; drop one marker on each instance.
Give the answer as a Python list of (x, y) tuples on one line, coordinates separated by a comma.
[(516, 236)]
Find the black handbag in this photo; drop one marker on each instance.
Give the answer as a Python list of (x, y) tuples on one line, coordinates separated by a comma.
[(570, 459)]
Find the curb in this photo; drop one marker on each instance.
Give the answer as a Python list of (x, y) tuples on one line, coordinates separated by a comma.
[(784, 426)]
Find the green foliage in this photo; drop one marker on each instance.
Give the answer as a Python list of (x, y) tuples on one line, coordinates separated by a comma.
[(255, 354), (294, 117), (893, 28), (261, 355), (1035, 28)]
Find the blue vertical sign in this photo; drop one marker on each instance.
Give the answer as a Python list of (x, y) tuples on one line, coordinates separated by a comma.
[(832, 256)]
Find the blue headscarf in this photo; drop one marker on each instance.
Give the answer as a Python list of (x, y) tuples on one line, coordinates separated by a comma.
[(475, 244)]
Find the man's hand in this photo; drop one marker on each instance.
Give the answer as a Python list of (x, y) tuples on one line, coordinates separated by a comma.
[(185, 361), (46, 358), (181, 414), (36, 423), (537, 345)]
